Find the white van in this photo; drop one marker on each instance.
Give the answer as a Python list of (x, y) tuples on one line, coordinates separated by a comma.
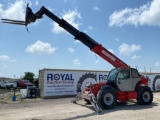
[(8, 85)]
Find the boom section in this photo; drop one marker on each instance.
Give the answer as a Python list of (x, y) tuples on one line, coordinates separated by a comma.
[(85, 39)]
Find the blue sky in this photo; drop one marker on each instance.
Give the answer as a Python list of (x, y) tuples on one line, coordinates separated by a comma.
[(129, 29)]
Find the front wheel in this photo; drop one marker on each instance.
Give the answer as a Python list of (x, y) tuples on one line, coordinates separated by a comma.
[(106, 97), (144, 96)]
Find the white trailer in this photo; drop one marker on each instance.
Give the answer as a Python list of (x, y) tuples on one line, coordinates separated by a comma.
[(69, 82), (66, 82), (153, 80)]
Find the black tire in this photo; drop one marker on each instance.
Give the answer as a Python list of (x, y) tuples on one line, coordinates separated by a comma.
[(106, 98), (144, 96)]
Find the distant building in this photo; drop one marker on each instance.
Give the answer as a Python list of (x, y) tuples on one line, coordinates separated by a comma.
[(4, 79)]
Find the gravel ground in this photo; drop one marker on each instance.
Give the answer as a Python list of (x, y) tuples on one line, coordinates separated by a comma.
[(63, 109)]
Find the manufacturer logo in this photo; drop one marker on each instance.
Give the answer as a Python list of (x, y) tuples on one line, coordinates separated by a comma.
[(108, 55)]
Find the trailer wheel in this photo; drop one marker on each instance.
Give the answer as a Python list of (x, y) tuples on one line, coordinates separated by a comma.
[(144, 96), (106, 98)]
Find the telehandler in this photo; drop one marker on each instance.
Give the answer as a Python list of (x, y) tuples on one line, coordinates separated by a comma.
[(123, 82)]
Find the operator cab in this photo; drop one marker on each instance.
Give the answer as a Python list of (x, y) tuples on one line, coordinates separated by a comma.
[(123, 79)]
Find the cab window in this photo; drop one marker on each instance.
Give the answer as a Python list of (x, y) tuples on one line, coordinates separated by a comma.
[(135, 73), (124, 74)]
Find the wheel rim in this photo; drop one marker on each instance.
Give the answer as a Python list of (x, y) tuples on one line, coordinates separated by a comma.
[(108, 99), (146, 96)]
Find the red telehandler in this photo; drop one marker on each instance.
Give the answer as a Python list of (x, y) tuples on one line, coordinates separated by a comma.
[(123, 82)]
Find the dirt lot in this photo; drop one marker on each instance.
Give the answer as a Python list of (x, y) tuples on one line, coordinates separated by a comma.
[(63, 109)]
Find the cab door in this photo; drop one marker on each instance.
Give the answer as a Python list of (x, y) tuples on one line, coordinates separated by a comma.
[(124, 80)]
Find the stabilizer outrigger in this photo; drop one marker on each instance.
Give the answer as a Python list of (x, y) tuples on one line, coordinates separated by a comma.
[(91, 97)]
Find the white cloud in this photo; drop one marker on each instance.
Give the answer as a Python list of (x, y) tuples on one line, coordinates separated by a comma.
[(70, 17), (128, 49), (76, 41), (14, 11), (88, 28), (36, 3), (65, 1), (13, 61), (51, 9), (71, 50), (96, 61), (5, 66), (4, 57), (116, 39), (148, 14), (135, 57), (40, 48), (76, 62), (110, 50), (157, 64), (95, 8)]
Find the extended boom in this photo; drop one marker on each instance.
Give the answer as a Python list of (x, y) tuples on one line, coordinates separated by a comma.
[(84, 38)]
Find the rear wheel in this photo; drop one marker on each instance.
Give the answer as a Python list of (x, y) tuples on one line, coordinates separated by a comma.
[(144, 96), (106, 98)]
